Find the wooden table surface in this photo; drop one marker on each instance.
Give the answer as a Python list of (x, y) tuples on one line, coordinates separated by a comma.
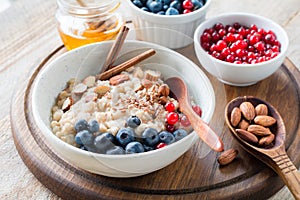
[(28, 34)]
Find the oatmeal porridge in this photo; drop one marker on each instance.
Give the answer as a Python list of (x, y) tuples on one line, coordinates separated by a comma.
[(130, 113)]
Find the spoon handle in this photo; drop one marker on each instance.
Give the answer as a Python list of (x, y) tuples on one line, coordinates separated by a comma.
[(202, 129), (288, 172)]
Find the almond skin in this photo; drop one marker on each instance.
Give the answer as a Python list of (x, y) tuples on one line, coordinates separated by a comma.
[(266, 141), (264, 120), (259, 130), (118, 79), (247, 136), (235, 116), (261, 109), (247, 110), (243, 124), (227, 156)]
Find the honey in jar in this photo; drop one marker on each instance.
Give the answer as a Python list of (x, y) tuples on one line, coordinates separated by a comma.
[(83, 22)]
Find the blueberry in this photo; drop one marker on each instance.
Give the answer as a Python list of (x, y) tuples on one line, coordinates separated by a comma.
[(84, 137), (134, 147), (116, 150), (102, 144), (176, 5), (93, 126), (133, 121), (145, 9), (124, 136), (166, 137), (166, 2), (179, 134), (161, 13), (150, 137), (172, 11), (148, 148), (165, 7), (137, 3), (155, 6), (81, 125), (111, 137), (197, 4)]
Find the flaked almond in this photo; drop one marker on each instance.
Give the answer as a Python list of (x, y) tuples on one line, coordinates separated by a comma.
[(227, 156), (247, 110), (164, 90), (267, 140), (152, 75), (89, 81), (247, 136), (101, 89), (67, 104), (261, 109), (235, 116), (243, 124), (264, 120), (118, 79), (79, 88), (259, 130)]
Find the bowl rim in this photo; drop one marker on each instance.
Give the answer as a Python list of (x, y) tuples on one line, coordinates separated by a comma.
[(203, 25), (182, 17), (46, 130)]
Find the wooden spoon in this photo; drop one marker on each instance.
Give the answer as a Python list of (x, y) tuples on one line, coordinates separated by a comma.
[(179, 89), (275, 157)]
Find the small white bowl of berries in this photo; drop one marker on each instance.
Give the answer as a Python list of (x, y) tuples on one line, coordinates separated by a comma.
[(168, 23), (240, 49)]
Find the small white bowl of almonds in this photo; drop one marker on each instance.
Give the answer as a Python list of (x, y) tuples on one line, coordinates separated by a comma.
[(78, 110)]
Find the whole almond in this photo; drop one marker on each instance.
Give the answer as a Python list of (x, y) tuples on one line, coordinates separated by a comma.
[(164, 90), (243, 124), (118, 79), (264, 120), (227, 156), (146, 83), (259, 130), (261, 109), (247, 110), (247, 136), (267, 140), (235, 116)]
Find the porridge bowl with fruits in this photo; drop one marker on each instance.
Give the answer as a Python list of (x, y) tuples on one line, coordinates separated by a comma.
[(127, 124), (240, 49)]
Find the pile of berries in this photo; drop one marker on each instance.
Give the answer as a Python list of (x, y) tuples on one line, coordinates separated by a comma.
[(125, 141), (169, 7), (240, 44)]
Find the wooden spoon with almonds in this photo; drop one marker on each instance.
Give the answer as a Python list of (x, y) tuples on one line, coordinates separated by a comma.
[(275, 156)]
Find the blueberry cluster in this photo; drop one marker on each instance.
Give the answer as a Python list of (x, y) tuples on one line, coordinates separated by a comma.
[(169, 7), (125, 141)]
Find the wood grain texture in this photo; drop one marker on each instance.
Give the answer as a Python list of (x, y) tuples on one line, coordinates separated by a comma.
[(28, 34), (191, 176)]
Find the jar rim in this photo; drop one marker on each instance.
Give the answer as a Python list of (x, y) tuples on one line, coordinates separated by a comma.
[(88, 9)]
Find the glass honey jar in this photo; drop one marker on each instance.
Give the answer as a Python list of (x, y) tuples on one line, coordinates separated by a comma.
[(83, 22)]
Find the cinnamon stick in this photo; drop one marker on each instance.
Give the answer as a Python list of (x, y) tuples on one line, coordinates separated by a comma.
[(129, 63), (115, 49)]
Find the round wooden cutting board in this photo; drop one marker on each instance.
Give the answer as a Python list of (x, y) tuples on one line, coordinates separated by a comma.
[(195, 175)]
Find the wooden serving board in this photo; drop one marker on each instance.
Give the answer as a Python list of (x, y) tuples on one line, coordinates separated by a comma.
[(193, 175)]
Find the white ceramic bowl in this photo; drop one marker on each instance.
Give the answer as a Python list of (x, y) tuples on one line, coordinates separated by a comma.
[(172, 31), (87, 60), (241, 74)]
